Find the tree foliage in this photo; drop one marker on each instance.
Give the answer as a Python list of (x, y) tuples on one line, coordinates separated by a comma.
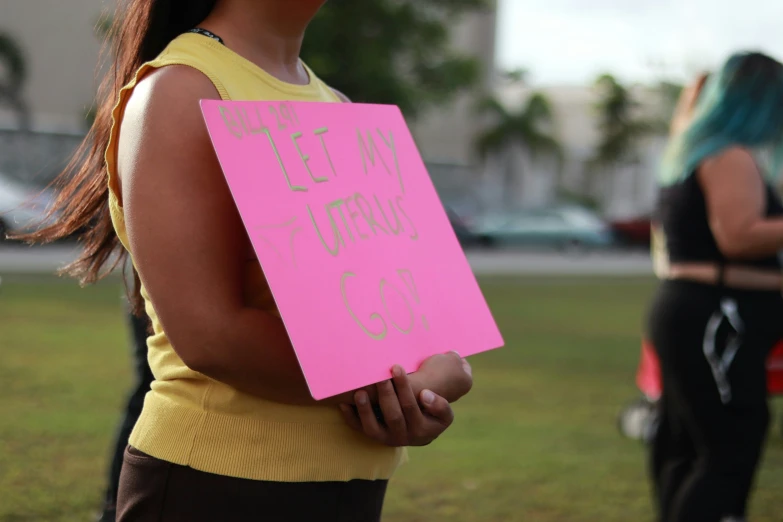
[(531, 128), (392, 51), (619, 122)]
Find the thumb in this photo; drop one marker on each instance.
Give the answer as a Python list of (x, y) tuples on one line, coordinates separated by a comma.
[(466, 366), (437, 407)]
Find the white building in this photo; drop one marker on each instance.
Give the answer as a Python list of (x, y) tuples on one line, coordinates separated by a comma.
[(62, 51), (626, 191), (447, 134)]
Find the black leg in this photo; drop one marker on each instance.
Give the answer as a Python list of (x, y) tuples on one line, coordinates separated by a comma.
[(139, 331)]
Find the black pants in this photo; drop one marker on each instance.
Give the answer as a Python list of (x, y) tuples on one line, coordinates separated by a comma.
[(713, 344), (139, 328), (152, 490)]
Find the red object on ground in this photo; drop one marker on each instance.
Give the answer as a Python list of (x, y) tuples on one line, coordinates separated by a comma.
[(648, 376)]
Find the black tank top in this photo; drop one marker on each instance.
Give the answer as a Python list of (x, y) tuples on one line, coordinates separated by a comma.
[(682, 213)]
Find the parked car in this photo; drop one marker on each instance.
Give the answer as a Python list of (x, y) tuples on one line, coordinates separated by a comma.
[(21, 206), (634, 232), (563, 227), (465, 235)]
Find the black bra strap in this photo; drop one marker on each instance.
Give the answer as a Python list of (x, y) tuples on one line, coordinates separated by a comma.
[(208, 34)]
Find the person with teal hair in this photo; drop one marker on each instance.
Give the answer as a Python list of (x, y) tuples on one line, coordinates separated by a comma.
[(718, 310), (741, 106)]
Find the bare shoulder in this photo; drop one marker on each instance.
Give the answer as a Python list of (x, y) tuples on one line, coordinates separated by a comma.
[(732, 186), (163, 131), (162, 121), (734, 163), (168, 98), (343, 97)]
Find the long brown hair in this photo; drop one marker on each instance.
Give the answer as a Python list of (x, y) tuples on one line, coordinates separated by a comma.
[(140, 30)]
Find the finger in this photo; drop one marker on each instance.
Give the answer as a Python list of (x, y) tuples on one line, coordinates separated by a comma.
[(392, 412), (370, 424), (407, 399), (350, 417), (372, 392), (437, 407), (466, 366)]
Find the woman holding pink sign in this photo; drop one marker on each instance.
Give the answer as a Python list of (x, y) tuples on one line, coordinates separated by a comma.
[(229, 430)]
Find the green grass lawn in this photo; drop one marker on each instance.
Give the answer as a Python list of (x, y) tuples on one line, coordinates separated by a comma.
[(535, 441)]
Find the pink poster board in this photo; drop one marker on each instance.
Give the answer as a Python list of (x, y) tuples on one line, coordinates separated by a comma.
[(360, 256)]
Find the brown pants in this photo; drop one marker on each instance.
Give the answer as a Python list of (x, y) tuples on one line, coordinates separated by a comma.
[(152, 490)]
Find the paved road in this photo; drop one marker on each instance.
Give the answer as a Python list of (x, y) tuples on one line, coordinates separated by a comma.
[(546, 263), (21, 259)]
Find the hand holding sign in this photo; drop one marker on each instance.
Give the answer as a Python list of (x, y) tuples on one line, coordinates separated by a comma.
[(404, 422), (357, 249)]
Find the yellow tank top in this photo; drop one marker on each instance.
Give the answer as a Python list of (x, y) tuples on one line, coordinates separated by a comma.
[(192, 420)]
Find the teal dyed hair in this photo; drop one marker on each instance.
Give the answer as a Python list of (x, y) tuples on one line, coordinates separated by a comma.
[(741, 105)]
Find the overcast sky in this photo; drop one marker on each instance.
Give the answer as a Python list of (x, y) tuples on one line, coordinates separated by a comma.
[(571, 41)]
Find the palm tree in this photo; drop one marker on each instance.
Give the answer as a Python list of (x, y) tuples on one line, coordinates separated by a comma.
[(529, 131), (13, 61), (621, 131)]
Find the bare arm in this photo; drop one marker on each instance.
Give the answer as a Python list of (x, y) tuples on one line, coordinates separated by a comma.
[(189, 243), (190, 247), (736, 202)]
